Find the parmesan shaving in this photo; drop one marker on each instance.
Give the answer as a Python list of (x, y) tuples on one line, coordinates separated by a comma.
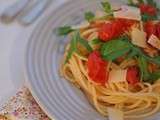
[(115, 114), (117, 76), (154, 41), (138, 37), (128, 12)]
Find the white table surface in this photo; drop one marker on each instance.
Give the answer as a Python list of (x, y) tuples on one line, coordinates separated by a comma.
[(13, 40)]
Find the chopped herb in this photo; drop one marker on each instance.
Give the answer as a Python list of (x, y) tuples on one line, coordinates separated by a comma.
[(89, 16), (64, 30)]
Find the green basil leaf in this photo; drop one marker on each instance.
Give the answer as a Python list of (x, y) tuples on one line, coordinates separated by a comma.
[(106, 6), (73, 46), (64, 30), (89, 16), (114, 49)]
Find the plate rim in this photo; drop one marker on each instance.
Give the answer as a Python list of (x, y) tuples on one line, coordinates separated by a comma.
[(39, 25)]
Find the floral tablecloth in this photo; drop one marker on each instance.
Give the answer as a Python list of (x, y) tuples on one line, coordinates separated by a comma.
[(22, 106)]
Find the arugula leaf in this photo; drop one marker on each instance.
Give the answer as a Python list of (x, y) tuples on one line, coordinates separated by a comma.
[(143, 65), (131, 54), (64, 30), (145, 17), (89, 16), (120, 46), (155, 60), (114, 49), (136, 51), (145, 74), (95, 41), (73, 46), (141, 1), (155, 76), (131, 3), (106, 6), (85, 44)]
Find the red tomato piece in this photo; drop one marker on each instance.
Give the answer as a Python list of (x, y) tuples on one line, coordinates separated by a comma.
[(114, 29), (106, 32), (158, 29), (97, 68), (150, 10), (118, 27), (133, 75), (150, 28)]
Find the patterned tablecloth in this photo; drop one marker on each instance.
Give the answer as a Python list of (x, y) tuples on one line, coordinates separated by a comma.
[(22, 106)]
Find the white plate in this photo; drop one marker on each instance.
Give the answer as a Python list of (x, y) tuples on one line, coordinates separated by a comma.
[(60, 99)]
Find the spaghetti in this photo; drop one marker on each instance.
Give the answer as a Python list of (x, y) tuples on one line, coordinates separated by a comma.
[(138, 96)]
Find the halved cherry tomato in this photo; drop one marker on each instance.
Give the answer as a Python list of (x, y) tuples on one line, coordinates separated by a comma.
[(146, 8), (97, 68), (133, 75), (114, 29), (150, 28)]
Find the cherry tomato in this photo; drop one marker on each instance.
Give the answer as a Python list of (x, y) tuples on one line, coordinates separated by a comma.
[(114, 29), (97, 68), (133, 75), (150, 10), (150, 28)]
